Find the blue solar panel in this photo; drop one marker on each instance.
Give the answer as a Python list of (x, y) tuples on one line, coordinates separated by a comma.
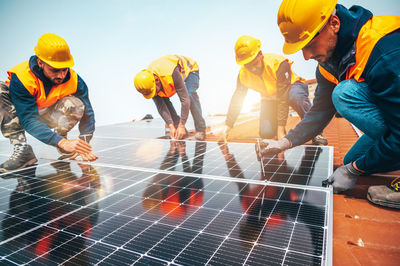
[(153, 202)]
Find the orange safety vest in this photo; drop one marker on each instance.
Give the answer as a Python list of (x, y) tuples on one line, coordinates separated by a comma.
[(163, 68), (266, 83), (35, 86), (370, 33)]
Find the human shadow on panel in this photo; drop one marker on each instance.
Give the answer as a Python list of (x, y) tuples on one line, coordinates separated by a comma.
[(54, 213)]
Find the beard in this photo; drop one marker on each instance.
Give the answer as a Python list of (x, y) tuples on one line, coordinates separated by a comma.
[(332, 41), (56, 81)]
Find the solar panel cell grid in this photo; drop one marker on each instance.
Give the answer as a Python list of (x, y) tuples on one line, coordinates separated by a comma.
[(168, 210)]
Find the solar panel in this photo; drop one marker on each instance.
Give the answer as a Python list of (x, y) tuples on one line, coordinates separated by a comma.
[(186, 203), (308, 165)]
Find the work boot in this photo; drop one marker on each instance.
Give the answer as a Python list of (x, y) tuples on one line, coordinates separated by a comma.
[(388, 196), (22, 157), (319, 140), (201, 135)]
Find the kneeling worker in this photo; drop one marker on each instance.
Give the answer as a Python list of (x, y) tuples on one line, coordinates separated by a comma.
[(358, 76), (41, 94), (166, 76), (270, 75)]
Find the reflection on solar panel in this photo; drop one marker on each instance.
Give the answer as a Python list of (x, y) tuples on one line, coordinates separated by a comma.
[(156, 202)]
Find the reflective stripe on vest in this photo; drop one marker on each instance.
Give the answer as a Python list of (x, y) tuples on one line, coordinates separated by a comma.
[(370, 33), (36, 88), (266, 83), (163, 68)]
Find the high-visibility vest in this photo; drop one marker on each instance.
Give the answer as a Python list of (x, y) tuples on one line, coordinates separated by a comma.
[(163, 68), (36, 88), (265, 83), (370, 33)]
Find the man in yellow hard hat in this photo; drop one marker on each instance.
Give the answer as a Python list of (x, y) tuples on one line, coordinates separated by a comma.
[(358, 76), (270, 75), (44, 93), (165, 77)]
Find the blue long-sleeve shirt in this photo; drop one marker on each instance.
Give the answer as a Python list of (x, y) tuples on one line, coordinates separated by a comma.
[(28, 112), (382, 74)]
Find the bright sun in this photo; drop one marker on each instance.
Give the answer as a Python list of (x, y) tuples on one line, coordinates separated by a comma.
[(252, 99)]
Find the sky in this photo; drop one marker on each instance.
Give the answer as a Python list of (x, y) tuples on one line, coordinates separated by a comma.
[(112, 40)]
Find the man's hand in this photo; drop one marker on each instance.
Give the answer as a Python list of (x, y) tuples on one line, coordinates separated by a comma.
[(272, 147), (281, 132), (79, 147), (225, 134), (180, 131), (86, 157), (344, 178), (172, 131)]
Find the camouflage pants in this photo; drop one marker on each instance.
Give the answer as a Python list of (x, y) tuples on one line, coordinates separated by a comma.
[(9, 122), (62, 116)]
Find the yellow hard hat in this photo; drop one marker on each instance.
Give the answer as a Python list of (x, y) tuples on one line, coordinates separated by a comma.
[(246, 49), (300, 20), (145, 83), (54, 50)]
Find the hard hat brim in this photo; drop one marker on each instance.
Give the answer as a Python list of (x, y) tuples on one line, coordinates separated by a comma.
[(291, 48), (247, 60), (65, 64), (151, 95), (250, 58)]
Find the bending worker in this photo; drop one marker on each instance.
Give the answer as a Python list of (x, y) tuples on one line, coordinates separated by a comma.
[(166, 76), (41, 94), (270, 75), (358, 76)]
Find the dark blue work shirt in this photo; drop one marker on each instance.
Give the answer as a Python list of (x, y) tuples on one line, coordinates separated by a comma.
[(382, 74)]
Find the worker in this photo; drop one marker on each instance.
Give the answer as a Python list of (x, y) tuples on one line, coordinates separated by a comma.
[(358, 76), (270, 75), (41, 94), (163, 78)]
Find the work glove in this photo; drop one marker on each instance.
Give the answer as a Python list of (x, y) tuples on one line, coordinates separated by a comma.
[(344, 178), (272, 147)]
